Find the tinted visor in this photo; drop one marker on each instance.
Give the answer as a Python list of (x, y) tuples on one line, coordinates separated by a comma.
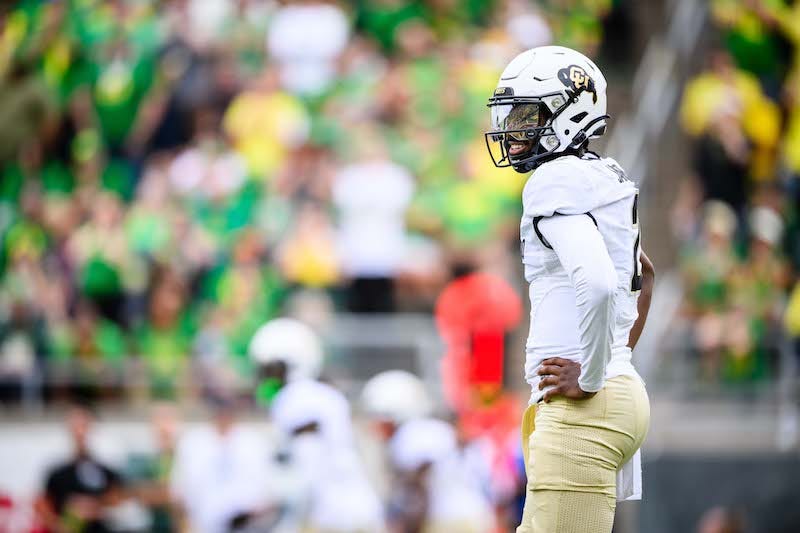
[(523, 117), (517, 117)]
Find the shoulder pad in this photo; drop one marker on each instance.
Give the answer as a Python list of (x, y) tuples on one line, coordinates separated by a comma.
[(572, 186)]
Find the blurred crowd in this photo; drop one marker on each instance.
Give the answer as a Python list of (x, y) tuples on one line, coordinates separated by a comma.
[(736, 220), (176, 172)]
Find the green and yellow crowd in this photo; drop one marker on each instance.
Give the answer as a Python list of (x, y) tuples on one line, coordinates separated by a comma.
[(737, 218), (169, 168)]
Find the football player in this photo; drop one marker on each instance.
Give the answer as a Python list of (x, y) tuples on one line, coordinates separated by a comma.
[(590, 287), (332, 493), (439, 484)]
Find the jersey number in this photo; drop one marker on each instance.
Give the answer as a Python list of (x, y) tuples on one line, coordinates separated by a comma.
[(636, 280)]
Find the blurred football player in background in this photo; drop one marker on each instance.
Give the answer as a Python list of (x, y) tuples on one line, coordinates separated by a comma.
[(582, 255), (332, 493), (220, 472), (438, 483)]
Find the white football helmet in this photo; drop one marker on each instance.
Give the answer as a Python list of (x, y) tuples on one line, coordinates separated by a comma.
[(396, 395), (549, 101), (290, 341)]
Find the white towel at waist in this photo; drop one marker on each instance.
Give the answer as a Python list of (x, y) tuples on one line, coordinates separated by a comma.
[(629, 479)]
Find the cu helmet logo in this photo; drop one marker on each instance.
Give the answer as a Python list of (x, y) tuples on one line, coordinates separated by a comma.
[(575, 78)]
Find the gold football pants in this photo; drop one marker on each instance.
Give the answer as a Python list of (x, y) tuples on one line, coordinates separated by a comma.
[(574, 453)]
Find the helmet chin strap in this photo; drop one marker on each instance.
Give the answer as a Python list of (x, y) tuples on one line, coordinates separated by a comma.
[(582, 137), (528, 166)]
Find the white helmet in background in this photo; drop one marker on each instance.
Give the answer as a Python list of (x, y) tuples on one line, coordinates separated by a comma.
[(396, 395), (292, 342), (549, 101)]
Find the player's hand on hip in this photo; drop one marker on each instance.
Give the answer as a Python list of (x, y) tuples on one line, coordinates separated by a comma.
[(562, 375)]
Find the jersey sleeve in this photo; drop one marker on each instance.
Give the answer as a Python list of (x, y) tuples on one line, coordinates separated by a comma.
[(559, 187), (582, 252)]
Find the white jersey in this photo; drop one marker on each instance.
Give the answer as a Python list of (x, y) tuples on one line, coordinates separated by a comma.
[(333, 484), (217, 476), (458, 475), (570, 200)]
